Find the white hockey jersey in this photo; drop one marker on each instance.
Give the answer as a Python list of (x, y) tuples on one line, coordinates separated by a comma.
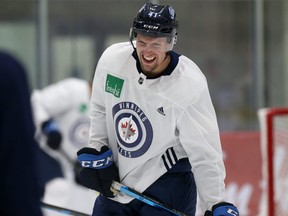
[(150, 124), (67, 103)]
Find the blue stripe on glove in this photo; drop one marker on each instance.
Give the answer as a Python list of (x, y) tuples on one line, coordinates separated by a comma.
[(225, 209), (96, 161)]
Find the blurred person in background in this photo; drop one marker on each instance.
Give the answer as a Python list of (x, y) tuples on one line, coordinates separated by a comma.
[(20, 187), (60, 113)]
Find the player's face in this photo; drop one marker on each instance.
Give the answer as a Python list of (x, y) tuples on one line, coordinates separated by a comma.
[(152, 54)]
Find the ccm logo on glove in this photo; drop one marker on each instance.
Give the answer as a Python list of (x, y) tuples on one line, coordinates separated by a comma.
[(223, 209), (96, 161), (98, 169)]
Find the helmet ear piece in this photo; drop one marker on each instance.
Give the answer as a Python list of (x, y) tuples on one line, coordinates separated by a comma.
[(173, 42), (132, 34)]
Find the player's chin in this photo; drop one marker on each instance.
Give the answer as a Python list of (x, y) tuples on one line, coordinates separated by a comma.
[(148, 66), (147, 70)]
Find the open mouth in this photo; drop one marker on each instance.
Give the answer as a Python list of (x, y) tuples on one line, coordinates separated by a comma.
[(148, 60)]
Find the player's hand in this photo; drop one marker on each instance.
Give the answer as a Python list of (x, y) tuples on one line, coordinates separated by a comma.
[(98, 169), (53, 134), (223, 209)]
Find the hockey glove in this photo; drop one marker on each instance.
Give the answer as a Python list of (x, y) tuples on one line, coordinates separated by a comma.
[(53, 134), (98, 169), (77, 169), (223, 209)]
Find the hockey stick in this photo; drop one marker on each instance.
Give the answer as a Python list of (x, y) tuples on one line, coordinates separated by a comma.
[(62, 210), (118, 187)]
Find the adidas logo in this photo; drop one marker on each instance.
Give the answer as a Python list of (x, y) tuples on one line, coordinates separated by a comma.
[(161, 111)]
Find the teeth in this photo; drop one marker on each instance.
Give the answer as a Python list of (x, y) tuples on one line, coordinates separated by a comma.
[(148, 58)]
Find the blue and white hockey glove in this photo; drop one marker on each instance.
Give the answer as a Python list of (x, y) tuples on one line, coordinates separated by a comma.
[(223, 209), (53, 134), (98, 169)]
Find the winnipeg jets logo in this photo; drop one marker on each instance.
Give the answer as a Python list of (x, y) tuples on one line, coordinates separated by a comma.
[(127, 129), (133, 129)]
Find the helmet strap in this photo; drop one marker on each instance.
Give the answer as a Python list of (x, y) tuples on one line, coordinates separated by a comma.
[(131, 37)]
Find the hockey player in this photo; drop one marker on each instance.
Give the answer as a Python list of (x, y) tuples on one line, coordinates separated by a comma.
[(151, 111), (62, 122)]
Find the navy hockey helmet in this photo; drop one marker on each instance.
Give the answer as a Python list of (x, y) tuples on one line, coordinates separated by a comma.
[(155, 20)]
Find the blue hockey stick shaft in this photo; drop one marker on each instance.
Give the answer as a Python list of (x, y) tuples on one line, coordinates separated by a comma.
[(139, 196), (62, 210)]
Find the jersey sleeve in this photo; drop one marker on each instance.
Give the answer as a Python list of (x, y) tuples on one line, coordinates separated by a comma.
[(55, 99), (199, 135), (98, 135)]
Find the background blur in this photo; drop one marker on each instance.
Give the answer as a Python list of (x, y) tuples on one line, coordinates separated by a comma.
[(240, 45)]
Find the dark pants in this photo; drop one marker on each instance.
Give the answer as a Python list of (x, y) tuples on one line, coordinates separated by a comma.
[(176, 190)]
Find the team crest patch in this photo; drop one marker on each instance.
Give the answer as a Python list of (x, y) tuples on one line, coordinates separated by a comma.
[(133, 129), (79, 131), (114, 85)]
